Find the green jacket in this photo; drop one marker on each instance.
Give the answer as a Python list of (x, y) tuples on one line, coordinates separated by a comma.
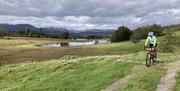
[(150, 40)]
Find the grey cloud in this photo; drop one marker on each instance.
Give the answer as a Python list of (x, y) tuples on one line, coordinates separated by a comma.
[(84, 7), (90, 13)]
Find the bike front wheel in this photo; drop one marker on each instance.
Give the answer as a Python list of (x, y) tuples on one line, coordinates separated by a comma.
[(148, 59)]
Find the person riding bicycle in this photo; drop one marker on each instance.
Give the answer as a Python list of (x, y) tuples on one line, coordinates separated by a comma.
[(152, 41)]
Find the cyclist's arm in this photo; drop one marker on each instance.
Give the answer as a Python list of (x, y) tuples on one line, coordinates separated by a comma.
[(146, 42)]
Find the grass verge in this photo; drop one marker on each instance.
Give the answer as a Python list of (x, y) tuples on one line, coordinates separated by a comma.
[(177, 86)]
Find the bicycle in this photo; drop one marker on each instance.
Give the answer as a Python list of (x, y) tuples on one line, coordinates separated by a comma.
[(151, 56)]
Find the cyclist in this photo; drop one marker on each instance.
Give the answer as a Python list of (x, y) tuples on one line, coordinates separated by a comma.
[(152, 41)]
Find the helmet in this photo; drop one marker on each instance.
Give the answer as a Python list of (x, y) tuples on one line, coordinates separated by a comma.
[(151, 33)]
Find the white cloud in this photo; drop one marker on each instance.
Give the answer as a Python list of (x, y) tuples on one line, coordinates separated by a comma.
[(70, 22), (74, 19)]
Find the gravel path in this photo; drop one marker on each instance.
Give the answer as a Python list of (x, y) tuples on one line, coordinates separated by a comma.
[(168, 81)]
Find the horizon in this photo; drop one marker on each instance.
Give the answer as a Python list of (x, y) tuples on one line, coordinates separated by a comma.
[(80, 30), (90, 14)]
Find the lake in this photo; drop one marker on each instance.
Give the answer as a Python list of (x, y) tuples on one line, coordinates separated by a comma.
[(81, 43)]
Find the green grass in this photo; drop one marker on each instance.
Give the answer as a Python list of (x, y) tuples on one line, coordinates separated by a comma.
[(123, 47), (177, 87), (84, 74)]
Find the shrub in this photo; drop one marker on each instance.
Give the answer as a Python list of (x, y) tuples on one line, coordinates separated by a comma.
[(121, 34), (135, 38), (168, 43)]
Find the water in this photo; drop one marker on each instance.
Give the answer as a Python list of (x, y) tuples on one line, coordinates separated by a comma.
[(81, 43)]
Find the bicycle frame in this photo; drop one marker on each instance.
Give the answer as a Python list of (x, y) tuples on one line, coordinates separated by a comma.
[(150, 50), (149, 56)]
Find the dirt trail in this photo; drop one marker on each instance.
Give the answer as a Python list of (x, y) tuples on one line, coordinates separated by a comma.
[(117, 84), (168, 80)]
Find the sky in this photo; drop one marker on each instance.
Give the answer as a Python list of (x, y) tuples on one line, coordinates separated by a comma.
[(90, 14)]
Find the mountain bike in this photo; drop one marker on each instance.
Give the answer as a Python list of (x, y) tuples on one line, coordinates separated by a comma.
[(151, 56)]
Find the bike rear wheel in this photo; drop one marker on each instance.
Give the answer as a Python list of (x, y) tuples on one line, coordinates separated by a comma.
[(155, 56), (148, 59)]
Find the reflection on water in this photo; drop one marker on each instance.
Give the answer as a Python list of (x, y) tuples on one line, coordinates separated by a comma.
[(93, 42)]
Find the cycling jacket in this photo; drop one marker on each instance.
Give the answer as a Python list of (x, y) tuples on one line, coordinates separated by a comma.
[(151, 40)]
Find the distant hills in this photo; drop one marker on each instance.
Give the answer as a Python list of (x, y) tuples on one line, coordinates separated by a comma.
[(10, 28), (49, 30)]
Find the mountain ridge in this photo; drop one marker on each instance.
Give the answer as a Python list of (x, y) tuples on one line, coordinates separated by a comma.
[(49, 30)]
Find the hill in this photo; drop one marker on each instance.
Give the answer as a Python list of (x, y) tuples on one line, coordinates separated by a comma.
[(51, 30), (10, 27)]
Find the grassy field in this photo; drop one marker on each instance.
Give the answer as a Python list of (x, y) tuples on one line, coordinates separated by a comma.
[(91, 73), (92, 69), (84, 74)]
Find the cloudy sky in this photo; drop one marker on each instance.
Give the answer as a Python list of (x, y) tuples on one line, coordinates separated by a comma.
[(88, 14)]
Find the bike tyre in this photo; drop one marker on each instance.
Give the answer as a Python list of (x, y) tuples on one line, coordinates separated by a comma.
[(148, 59)]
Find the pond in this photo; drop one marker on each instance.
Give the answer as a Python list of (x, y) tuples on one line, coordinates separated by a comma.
[(81, 43)]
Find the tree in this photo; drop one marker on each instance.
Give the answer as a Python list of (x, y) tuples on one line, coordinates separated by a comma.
[(21, 33), (55, 35), (121, 34), (65, 35), (2, 32), (27, 32), (156, 28), (34, 33)]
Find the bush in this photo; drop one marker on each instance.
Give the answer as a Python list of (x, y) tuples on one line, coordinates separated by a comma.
[(121, 34), (168, 43), (135, 38)]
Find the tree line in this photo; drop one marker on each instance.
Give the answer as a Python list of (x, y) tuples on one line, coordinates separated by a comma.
[(123, 33), (33, 33), (168, 44)]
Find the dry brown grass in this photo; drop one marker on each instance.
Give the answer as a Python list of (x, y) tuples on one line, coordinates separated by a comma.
[(17, 50)]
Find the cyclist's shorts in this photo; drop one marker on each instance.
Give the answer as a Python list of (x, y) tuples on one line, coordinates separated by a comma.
[(152, 45)]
